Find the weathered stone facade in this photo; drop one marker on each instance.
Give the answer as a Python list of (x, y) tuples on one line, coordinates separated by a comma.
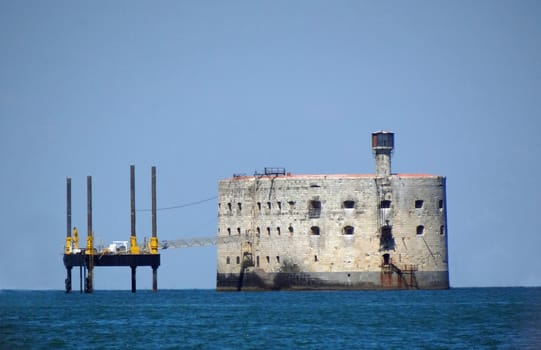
[(283, 231)]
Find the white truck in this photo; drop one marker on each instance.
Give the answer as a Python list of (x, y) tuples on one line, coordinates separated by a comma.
[(118, 247)]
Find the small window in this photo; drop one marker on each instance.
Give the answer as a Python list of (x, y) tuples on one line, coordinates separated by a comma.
[(315, 258), (419, 203), (257, 261), (238, 260), (229, 206), (349, 204), (259, 206), (238, 230), (348, 230), (279, 205), (227, 260), (314, 230), (314, 209), (269, 205), (268, 259), (258, 231), (268, 231), (291, 229), (291, 203), (442, 230), (229, 231), (278, 259), (385, 204), (239, 205), (278, 231), (420, 229), (440, 204)]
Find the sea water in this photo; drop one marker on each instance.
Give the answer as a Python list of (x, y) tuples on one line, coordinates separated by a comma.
[(476, 318)]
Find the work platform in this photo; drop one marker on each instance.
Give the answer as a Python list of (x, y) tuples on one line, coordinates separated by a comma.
[(84, 261), (119, 253), (152, 260)]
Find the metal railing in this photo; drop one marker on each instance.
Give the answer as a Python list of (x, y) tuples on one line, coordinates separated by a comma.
[(199, 242)]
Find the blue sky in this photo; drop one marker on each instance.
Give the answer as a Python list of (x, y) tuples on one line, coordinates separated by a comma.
[(205, 89)]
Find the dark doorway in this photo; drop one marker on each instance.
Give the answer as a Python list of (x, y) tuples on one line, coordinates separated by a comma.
[(385, 204), (386, 239), (386, 259)]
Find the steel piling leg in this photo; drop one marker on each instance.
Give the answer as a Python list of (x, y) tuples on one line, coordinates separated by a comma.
[(68, 279), (133, 282), (154, 279)]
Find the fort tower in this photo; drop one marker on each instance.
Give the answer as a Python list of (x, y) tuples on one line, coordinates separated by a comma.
[(382, 145)]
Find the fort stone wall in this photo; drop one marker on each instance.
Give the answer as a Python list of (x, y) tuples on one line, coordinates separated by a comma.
[(328, 229)]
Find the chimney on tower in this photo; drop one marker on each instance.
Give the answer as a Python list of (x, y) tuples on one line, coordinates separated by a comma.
[(382, 146)]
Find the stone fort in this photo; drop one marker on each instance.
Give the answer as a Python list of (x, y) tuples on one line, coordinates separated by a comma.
[(341, 231)]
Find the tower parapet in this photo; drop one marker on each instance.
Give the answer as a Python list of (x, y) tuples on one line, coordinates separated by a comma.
[(382, 146)]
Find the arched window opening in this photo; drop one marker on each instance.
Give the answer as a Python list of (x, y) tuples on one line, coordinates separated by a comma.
[(420, 229), (238, 260), (349, 204), (314, 230), (227, 260), (348, 230), (314, 209), (291, 229)]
